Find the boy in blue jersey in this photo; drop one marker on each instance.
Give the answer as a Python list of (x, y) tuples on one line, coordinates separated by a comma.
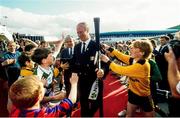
[(27, 93)]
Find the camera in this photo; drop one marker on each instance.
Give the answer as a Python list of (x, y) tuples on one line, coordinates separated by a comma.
[(175, 45), (162, 63)]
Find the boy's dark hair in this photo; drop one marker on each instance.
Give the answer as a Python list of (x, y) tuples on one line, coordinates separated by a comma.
[(29, 47), (22, 59), (40, 54)]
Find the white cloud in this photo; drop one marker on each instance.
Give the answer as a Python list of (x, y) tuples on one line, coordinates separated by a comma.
[(116, 15), (29, 23)]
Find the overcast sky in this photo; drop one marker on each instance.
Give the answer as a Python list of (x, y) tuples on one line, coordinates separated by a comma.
[(52, 17)]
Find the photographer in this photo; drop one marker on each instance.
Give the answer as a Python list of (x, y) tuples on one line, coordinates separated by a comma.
[(173, 73), (173, 59)]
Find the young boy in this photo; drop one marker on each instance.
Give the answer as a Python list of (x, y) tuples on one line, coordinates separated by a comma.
[(27, 93), (27, 69), (26, 65), (45, 59)]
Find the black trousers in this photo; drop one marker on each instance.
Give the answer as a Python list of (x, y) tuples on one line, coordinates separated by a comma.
[(173, 105), (153, 91), (89, 107), (67, 76)]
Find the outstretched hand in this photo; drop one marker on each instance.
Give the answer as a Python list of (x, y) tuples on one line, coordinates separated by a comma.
[(61, 40), (104, 58), (105, 46), (74, 78)]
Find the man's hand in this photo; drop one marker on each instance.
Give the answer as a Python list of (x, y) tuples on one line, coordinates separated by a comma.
[(100, 73), (8, 61)]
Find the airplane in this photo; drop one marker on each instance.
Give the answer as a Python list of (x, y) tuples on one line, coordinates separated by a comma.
[(110, 37)]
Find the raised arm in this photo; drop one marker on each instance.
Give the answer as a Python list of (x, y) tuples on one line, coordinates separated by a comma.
[(58, 44), (73, 92), (31, 42), (173, 72)]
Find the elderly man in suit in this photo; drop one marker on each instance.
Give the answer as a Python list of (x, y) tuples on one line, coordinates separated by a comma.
[(83, 63), (66, 56)]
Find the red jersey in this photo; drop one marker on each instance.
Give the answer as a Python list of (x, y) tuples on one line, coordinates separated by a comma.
[(64, 107)]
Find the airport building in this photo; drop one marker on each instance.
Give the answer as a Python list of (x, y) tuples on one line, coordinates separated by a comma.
[(31, 37)]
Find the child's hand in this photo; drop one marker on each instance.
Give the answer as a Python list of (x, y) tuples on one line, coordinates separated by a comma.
[(65, 66), (73, 92), (74, 78), (104, 58), (61, 40), (44, 81), (105, 46), (59, 96)]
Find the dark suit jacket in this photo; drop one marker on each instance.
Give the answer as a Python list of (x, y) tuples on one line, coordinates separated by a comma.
[(65, 54), (66, 57), (83, 64)]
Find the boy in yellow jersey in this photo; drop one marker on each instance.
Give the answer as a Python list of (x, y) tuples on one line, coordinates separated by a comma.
[(26, 64), (138, 71)]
